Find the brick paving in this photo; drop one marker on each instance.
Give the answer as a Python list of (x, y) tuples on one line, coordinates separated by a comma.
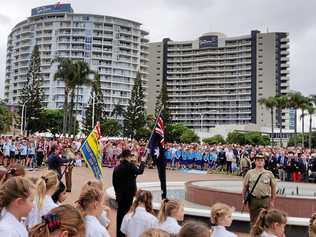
[(81, 175)]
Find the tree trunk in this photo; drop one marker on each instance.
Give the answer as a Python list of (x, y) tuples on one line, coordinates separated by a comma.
[(65, 112), (295, 129), (310, 132), (76, 111), (71, 110), (281, 134), (272, 128), (303, 118)]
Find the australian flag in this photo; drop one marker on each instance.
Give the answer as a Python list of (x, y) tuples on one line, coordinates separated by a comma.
[(156, 148), (157, 140)]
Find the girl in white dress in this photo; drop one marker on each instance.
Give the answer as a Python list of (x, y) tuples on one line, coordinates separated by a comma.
[(171, 211), (91, 203), (270, 223), (46, 186), (103, 218), (140, 217), (16, 201), (221, 217), (62, 221)]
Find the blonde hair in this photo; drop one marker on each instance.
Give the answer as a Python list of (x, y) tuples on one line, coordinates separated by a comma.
[(265, 220), (13, 188), (88, 196), (145, 197), (95, 183), (167, 208), (70, 219), (312, 226), (155, 233), (220, 210), (194, 229), (43, 184)]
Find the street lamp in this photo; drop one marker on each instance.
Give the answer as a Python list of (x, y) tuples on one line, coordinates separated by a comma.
[(22, 116)]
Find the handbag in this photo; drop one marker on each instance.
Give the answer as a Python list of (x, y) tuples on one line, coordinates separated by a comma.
[(249, 194)]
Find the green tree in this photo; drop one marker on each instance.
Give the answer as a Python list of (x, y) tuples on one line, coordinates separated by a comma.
[(270, 103), (311, 111), (52, 120), (174, 132), (32, 95), (256, 138), (189, 136), (118, 111), (66, 73), (281, 103), (303, 106), (296, 100), (96, 93), (111, 128), (5, 119), (216, 139), (82, 73), (134, 118), (162, 104), (235, 137)]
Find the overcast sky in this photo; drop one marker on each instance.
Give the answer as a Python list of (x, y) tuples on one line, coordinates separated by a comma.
[(188, 19)]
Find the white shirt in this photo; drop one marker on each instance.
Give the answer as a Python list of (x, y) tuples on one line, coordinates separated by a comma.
[(11, 227), (103, 219), (35, 216), (170, 225), (94, 228), (265, 234), (135, 225), (220, 231)]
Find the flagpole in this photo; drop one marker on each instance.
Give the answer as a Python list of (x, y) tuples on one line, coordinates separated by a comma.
[(153, 130)]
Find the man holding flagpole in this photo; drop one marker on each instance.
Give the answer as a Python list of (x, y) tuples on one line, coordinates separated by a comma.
[(156, 147)]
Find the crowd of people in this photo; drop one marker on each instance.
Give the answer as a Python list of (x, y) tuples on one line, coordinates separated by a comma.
[(28, 208), (34, 206), (288, 164)]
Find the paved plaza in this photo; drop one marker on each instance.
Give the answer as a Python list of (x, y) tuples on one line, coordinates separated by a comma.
[(81, 175)]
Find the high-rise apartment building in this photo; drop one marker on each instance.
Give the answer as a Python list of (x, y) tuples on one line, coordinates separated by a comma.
[(115, 47), (218, 80)]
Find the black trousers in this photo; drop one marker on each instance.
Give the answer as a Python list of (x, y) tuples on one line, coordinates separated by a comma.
[(123, 206), (161, 167)]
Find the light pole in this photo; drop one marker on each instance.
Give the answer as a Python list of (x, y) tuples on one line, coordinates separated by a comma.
[(93, 107), (22, 117)]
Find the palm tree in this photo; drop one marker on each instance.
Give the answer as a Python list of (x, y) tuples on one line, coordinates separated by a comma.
[(66, 73), (117, 111), (311, 110), (281, 102), (303, 106), (82, 73), (270, 103), (296, 99)]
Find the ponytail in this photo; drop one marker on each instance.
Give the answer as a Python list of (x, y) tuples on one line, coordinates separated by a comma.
[(167, 208), (259, 225), (88, 196), (43, 184), (144, 197), (266, 219)]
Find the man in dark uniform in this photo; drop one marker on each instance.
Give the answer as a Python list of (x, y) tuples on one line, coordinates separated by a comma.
[(55, 162), (124, 183)]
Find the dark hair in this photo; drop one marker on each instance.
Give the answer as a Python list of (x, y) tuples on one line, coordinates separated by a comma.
[(125, 154)]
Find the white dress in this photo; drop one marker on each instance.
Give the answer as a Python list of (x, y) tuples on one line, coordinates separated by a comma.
[(104, 220), (94, 227), (220, 231), (265, 234), (35, 216), (11, 227), (170, 225), (135, 225)]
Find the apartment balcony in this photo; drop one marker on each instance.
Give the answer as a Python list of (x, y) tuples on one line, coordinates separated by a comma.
[(285, 52), (284, 40)]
